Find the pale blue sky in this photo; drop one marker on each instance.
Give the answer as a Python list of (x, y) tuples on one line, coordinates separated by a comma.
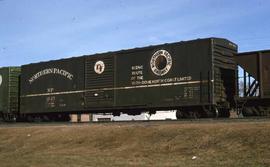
[(41, 30)]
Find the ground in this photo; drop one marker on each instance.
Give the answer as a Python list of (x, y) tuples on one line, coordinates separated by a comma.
[(174, 144)]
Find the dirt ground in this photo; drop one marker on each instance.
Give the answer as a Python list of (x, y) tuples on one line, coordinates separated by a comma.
[(188, 145)]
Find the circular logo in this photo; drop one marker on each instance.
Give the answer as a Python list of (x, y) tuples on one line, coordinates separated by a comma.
[(161, 62), (99, 67), (1, 80)]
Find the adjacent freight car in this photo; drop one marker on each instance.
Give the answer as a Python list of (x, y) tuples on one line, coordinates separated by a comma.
[(196, 77), (9, 92), (254, 83)]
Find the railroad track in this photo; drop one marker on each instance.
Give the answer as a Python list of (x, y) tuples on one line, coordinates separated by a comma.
[(139, 122)]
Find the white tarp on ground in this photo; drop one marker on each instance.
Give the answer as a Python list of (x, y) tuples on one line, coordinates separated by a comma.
[(160, 115)]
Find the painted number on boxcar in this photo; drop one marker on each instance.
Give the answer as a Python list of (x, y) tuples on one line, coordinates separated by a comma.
[(190, 92)]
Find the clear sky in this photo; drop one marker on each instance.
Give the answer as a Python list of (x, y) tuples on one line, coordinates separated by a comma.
[(41, 30)]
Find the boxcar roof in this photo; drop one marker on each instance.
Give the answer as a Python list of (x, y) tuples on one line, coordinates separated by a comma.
[(132, 49), (252, 52)]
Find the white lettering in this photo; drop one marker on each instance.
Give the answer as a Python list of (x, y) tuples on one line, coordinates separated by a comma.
[(57, 71), (161, 81)]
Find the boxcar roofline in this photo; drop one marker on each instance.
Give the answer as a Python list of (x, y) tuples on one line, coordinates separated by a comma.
[(132, 49)]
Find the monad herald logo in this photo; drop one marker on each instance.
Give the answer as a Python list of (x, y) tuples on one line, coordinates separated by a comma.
[(48, 71)]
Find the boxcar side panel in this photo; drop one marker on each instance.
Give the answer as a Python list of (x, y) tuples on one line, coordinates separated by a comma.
[(54, 86), (99, 81), (142, 82)]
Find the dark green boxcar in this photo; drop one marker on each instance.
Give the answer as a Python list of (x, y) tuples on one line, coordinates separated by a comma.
[(170, 76), (9, 92)]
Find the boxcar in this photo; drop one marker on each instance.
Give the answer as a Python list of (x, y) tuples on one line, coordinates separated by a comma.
[(195, 77), (9, 92)]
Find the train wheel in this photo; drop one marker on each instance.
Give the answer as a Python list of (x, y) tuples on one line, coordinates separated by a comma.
[(183, 114), (247, 112), (195, 114), (189, 114), (264, 111), (212, 114), (223, 113), (61, 117), (179, 114), (45, 119), (210, 111), (66, 117), (227, 113), (116, 114), (255, 111), (30, 118)]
